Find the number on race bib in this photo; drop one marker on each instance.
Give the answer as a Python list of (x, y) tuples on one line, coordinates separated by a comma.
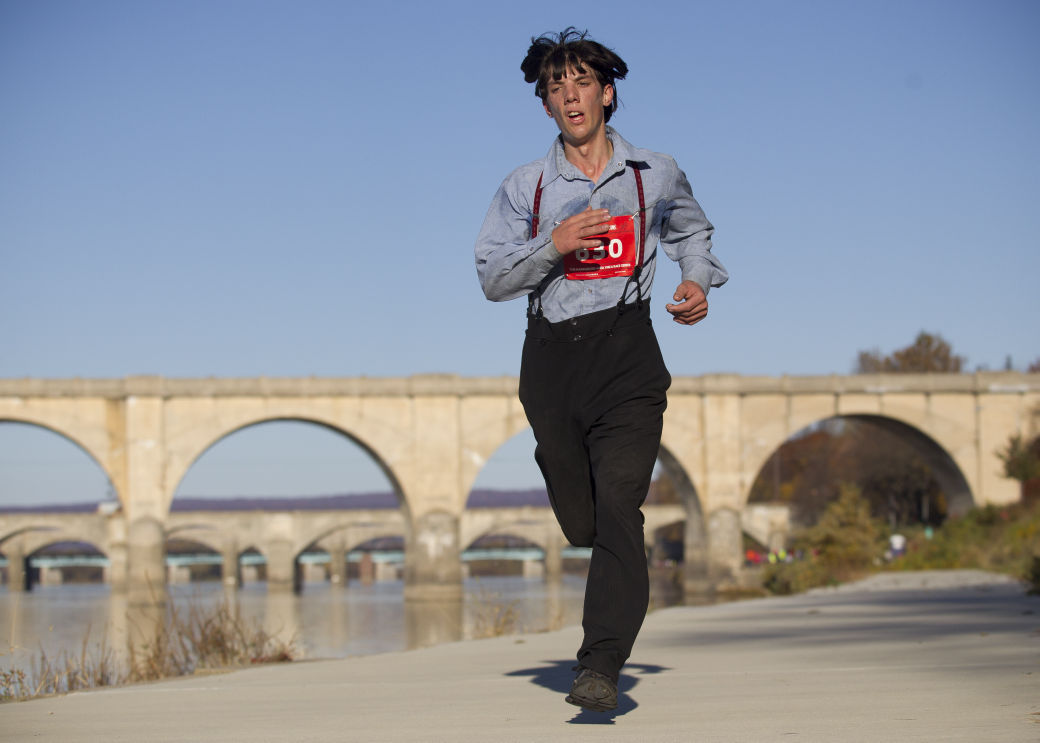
[(614, 258), (614, 250)]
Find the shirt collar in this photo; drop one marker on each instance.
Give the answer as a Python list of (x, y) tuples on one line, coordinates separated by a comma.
[(557, 164)]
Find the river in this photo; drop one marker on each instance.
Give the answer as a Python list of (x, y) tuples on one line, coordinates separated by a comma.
[(321, 622)]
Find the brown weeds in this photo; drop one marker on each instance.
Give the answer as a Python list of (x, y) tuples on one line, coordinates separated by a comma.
[(187, 642), (494, 617)]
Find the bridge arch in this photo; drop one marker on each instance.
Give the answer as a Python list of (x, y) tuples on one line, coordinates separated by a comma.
[(28, 544), (529, 537), (201, 534), (510, 467), (491, 424), (696, 546), (20, 531), (369, 544), (181, 542), (534, 534), (359, 543), (533, 565), (86, 442), (34, 529), (349, 535), (945, 468), (34, 542), (182, 457), (939, 441), (942, 466)]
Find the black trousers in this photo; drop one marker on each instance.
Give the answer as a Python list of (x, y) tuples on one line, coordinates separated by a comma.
[(594, 391)]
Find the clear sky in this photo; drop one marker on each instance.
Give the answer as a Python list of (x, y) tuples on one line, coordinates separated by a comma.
[(248, 187)]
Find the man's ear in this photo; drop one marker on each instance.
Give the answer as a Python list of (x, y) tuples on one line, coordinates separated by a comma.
[(608, 94), (547, 109)]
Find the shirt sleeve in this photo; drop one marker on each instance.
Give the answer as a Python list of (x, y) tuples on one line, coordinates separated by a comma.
[(686, 235), (509, 263)]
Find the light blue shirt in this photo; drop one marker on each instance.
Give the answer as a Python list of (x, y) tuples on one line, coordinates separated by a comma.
[(511, 264)]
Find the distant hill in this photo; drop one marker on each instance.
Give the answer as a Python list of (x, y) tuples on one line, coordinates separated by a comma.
[(52, 508), (480, 498), (340, 502), (487, 498)]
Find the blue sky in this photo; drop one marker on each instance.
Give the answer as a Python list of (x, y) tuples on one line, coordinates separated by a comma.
[(243, 188)]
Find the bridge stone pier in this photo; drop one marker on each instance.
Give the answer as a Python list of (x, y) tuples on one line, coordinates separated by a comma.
[(432, 434)]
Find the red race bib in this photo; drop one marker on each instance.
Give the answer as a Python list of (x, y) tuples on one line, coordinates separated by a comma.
[(615, 257)]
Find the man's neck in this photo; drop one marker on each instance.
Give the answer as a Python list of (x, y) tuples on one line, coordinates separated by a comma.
[(590, 157)]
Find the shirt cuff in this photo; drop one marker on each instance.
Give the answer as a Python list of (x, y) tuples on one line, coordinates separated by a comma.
[(546, 256), (700, 274)]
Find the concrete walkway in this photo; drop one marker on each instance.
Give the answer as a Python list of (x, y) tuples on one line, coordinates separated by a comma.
[(910, 657)]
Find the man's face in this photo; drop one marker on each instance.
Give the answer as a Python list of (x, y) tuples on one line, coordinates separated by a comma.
[(576, 103)]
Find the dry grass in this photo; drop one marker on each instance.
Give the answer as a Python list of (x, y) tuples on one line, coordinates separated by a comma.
[(185, 643), (494, 617), (204, 639), (93, 667)]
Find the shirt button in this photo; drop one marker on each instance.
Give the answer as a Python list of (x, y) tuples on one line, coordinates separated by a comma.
[(574, 321), (577, 337)]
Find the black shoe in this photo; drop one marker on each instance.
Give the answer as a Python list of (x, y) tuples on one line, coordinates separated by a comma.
[(593, 690)]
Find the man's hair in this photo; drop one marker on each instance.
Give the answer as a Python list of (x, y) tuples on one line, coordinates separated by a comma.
[(551, 55)]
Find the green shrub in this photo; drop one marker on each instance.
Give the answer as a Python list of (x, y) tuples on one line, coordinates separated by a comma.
[(1002, 539), (845, 544), (846, 536), (1033, 577), (796, 577)]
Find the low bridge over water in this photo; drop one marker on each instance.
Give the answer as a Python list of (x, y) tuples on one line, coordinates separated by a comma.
[(281, 537), (432, 434)]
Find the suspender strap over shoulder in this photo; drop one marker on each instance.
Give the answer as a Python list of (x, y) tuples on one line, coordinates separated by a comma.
[(534, 207), (637, 270), (642, 213), (537, 293)]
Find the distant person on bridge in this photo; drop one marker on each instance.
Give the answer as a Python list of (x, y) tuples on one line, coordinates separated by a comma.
[(576, 232)]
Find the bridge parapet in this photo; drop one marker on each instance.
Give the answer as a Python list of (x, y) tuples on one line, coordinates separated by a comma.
[(1005, 383), (983, 382)]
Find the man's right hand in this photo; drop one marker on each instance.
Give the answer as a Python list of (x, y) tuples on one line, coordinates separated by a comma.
[(573, 233)]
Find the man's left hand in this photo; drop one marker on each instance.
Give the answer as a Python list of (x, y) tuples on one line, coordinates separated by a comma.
[(691, 306)]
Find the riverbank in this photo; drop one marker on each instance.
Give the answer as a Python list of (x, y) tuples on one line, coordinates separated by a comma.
[(322, 622), (945, 656)]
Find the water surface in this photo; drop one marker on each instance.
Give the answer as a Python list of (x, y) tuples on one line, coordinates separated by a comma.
[(322, 622)]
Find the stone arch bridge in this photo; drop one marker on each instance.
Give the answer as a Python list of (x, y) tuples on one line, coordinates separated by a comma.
[(431, 435), (281, 537)]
